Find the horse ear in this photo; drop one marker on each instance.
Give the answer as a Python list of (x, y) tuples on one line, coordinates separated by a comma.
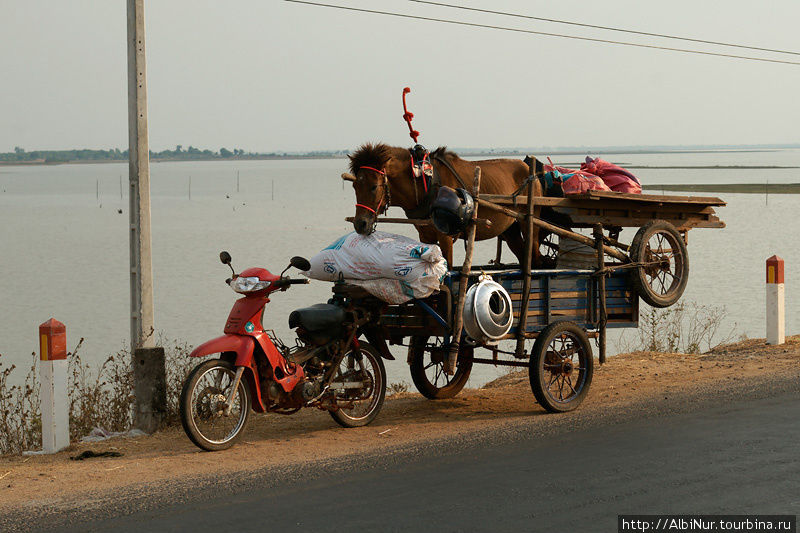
[(348, 177), (539, 166), (388, 164)]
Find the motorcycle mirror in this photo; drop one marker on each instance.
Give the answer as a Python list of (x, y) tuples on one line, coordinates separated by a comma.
[(300, 263), (225, 257)]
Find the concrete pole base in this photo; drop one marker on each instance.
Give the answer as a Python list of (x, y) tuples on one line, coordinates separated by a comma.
[(150, 386)]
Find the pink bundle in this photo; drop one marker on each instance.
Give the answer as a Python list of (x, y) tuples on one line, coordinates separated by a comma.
[(576, 181), (615, 177)]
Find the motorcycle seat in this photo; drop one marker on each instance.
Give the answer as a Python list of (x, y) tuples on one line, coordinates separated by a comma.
[(318, 317)]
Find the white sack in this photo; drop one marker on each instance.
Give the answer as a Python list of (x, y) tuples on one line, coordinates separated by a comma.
[(391, 267)]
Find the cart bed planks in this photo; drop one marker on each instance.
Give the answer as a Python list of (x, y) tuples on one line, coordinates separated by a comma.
[(625, 210)]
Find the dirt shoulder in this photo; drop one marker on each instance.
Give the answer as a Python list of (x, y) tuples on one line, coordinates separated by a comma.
[(628, 386)]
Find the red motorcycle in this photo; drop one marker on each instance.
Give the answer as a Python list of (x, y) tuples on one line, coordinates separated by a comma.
[(327, 368)]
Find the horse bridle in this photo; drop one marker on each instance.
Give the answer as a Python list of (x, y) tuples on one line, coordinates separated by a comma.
[(385, 199), (430, 184)]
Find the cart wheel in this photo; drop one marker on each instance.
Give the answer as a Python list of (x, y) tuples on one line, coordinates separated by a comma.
[(561, 367), (548, 247), (427, 369), (662, 280)]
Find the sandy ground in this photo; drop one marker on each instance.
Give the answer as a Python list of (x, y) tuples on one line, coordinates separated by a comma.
[(628, 385)]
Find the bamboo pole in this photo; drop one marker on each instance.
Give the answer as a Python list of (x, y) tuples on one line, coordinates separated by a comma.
[(455, 344), (519, 352), (601, 284), (561, 232)]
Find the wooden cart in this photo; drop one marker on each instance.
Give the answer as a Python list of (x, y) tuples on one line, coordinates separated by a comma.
[(559, 308)]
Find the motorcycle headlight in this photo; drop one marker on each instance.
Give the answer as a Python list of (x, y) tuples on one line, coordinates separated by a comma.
[(249, 284)]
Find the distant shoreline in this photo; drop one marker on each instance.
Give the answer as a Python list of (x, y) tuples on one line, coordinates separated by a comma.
[(742, 188), (156, 160), (465, 155)]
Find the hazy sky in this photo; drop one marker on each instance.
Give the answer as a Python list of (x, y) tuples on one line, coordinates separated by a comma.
[(267, 75)]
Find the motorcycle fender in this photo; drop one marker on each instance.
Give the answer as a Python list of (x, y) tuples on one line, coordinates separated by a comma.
[(375, 338), (239, 344), (242, 347)]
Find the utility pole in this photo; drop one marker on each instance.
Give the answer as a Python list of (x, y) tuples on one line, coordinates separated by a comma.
[(148, 361)]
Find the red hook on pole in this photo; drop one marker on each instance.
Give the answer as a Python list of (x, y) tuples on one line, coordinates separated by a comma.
[(408, 115)]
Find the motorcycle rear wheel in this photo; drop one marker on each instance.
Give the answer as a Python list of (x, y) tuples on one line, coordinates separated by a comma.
[(370, 367), (202, 406)]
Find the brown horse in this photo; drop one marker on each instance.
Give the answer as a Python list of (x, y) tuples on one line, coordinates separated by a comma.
[(382, 176)]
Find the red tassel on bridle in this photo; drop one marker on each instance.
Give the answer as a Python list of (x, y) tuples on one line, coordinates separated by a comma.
[(408, 115)]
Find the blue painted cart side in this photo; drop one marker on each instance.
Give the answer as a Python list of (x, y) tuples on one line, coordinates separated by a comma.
[(559, 295)]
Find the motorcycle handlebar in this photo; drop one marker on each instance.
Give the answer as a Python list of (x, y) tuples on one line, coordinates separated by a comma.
[(285, 282)]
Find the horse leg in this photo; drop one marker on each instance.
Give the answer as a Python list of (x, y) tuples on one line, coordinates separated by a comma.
[(536, 257), (446, 244), (429, 235), (513, 237), (539, 261)]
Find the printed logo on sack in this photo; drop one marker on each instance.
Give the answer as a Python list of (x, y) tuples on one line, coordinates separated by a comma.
[(249, 327), (330, 268), (402, 271)]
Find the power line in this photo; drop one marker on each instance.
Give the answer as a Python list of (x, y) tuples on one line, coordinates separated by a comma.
[(609, 28), (546, 34)]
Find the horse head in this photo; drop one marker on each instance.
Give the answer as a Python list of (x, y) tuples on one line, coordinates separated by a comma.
[(371, 184)]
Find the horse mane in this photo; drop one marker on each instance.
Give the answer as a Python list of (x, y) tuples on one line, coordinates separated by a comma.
[(443, 152), (370, 155)]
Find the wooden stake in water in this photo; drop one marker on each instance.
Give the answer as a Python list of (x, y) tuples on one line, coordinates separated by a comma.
[(766, 193)]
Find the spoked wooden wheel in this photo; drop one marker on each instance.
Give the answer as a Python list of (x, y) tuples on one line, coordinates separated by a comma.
[(548, 247), (662, 277), (561, 367), (427, 369)]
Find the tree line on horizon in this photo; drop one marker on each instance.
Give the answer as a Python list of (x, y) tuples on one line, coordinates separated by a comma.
[(20, 155)]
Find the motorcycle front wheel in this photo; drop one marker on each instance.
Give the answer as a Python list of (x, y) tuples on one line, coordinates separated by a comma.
[(360, 387), (203, 406)]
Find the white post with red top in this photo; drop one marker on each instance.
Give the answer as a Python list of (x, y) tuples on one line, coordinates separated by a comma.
[(776, 312), (53, 395)]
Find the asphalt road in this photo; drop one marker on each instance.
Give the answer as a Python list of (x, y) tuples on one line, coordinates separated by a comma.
[(736, 458)]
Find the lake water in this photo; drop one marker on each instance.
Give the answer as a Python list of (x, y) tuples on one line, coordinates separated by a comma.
[(64, 246)]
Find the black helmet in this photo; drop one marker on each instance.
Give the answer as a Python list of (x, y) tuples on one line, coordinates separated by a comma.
[(452, 210)]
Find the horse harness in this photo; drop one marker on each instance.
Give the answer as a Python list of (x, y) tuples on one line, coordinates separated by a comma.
[(421, 167)]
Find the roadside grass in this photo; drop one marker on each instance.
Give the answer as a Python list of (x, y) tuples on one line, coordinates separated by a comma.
[(396, 388), (98, 396), (689, 328)]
